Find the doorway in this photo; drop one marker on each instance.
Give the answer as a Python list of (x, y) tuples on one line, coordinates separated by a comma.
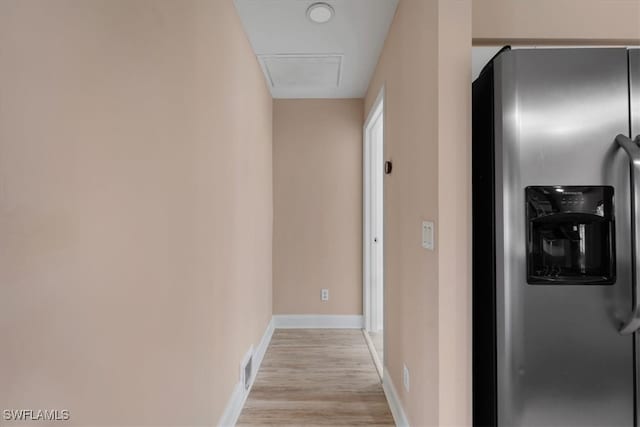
[(373, 244)]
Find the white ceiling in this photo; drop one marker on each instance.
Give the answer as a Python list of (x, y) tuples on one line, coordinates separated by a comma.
[(302, 59)]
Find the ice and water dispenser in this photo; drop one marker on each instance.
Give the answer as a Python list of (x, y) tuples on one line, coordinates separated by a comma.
[(571, 235)]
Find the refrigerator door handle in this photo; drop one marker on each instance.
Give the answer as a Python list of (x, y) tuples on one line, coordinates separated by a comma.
[(632, 148)]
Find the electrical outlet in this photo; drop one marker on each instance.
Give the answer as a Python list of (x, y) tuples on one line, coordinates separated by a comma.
[(324, 295), (405, 377)]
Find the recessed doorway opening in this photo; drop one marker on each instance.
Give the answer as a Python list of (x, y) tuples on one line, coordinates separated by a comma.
[(373, 242)]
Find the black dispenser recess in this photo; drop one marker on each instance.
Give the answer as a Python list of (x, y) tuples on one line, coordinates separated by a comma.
[(571, 235)]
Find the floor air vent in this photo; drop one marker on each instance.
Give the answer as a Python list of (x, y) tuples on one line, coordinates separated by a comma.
[(246, 370)]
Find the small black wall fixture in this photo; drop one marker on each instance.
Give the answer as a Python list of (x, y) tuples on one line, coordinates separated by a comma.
[(388, 166)]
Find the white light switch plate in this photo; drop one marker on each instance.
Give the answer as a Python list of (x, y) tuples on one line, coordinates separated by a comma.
[(428, 235)]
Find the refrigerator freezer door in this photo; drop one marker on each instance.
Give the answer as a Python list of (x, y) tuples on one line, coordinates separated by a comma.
[(560, 358)]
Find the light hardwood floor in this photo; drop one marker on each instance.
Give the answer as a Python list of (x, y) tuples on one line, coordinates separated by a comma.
[(317, 377)]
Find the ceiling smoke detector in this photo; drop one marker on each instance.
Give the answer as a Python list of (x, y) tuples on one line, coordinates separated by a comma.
[(320, 13)]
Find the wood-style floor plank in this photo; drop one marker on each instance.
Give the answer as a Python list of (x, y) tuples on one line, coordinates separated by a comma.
[(317, 377)]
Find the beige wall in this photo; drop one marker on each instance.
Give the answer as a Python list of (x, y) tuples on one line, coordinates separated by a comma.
[(426, 70), (408, 67), (317, 179), (135, 189), (569, 21), (454, 205)]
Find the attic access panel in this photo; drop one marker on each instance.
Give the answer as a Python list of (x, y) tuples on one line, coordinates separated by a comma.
[(302, 71)]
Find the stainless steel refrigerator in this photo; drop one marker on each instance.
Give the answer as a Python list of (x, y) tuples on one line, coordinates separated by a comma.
[(556, 238)]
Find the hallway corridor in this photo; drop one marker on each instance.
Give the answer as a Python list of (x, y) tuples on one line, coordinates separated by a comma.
[(317, 377)]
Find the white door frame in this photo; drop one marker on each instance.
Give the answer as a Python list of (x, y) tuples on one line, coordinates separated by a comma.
[(369, 298)]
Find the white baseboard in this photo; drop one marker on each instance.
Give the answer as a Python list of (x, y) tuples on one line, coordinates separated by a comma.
[(262, 348), (234, 407), (395, 405), (374, 353), (318, 321), (239, 395)]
